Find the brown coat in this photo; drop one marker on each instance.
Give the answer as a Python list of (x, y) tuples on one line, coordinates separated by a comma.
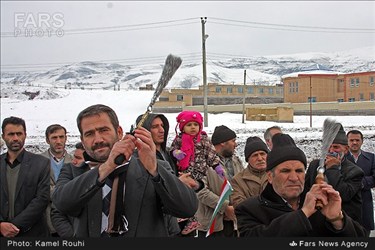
[(248, 183), (209, 196)]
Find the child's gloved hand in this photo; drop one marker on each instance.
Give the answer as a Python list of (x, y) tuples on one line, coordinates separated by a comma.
[(178, 154), (220, 170)]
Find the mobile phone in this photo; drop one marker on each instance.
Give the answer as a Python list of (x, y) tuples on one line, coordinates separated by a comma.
[(333, 154)]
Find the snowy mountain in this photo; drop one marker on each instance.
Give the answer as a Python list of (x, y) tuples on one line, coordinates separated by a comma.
[(260, 70)]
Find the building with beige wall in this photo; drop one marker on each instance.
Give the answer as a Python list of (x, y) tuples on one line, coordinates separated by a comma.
[(220, 93), (325, 86)]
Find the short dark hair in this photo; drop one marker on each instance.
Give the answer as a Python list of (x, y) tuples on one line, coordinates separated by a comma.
[(96, 110), (15, 121), (355, 132), (52, 128), (79, 145)]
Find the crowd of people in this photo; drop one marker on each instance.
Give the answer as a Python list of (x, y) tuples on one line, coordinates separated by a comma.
[(160, 190)]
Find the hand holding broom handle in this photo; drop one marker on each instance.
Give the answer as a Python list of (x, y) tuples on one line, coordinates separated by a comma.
[(172, 63), (330, 129), (121, 158), (318, 180)]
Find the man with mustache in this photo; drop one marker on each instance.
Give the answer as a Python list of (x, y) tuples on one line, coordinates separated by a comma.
[(344, 176), (58, 156), (279, 210), (252, 180), (147, 187), (366, 161), (24, 191)]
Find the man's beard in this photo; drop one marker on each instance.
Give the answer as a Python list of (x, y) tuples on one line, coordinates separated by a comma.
[(342, 155), (15, 146), (227, 153)]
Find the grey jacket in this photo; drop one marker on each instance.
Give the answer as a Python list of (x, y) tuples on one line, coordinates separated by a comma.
[(68, 158)]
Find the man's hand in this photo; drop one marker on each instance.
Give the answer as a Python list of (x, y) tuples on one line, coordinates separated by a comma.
[(333, 206), (187, 180), (146, 150), (229, 213), (315, 194), (8, 229), (125, 146), (331, 161), (332, 210)]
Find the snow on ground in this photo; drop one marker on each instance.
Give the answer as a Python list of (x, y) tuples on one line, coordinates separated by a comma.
[(40, 113), (43, 111)]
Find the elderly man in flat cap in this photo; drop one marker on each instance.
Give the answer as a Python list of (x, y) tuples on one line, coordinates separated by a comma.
[(279, 211)]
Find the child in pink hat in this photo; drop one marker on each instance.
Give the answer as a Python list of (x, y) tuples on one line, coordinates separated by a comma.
[(194, 153)]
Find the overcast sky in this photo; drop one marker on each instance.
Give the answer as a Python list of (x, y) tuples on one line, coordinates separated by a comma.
[(130, 31)]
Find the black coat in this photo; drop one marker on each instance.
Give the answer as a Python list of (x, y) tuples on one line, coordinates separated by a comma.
[(268, 215), (347, 180), (366, 161), (32, 195)]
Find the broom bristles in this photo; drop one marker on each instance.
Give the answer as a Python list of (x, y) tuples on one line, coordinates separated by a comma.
[(172, 63), (330, 130)]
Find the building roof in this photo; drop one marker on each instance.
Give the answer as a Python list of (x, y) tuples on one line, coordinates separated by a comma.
[(314, 69)]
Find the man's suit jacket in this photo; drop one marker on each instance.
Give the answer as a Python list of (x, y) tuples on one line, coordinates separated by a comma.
[(366, 161), (32, 195), (79, 194)]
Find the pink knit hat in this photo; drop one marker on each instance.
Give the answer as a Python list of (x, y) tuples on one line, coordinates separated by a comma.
[(189, 116)]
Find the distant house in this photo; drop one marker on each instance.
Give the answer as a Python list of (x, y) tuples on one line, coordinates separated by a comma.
[(222, 94), (323, 85), (147, 87)]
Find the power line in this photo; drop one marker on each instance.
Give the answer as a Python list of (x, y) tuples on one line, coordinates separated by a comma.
[(119, 28), (126, 62), (332, 29), (186, 21), (295, 30)]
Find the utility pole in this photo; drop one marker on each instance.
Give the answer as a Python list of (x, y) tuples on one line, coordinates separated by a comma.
[(310, 103), (244, 96), (204, 37)]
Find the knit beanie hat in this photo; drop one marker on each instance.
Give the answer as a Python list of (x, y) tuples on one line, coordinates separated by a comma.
[(253, 144), (222, 134), (341, 137), (189, 116), (284, 149)]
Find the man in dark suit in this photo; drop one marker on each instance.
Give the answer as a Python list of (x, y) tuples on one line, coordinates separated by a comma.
[(366, 161), (25, 190), (151, 189)]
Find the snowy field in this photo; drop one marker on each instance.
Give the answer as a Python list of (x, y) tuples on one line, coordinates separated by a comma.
[(40, 113)]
